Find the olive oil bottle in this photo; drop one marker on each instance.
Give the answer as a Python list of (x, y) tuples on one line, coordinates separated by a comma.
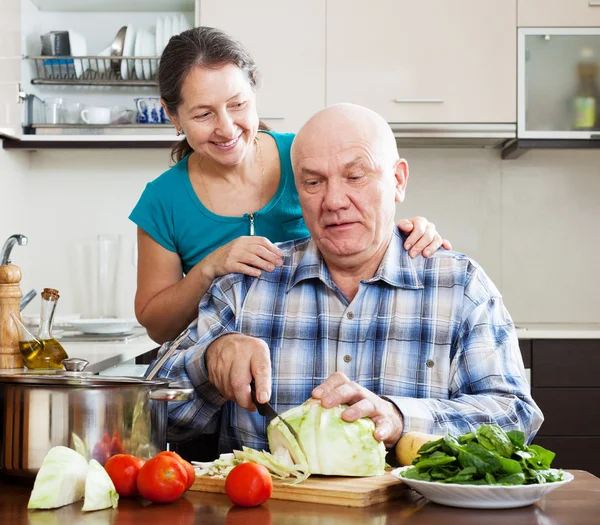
[(43, 351)]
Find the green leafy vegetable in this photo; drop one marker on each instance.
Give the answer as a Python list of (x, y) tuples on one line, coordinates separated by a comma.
[(488, 456), (60, 480), (100, 491)]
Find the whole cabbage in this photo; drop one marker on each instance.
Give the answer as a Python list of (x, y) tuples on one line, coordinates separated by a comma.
[(331, 446)]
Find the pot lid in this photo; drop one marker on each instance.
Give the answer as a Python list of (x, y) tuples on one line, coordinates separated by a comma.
[(74, 375)]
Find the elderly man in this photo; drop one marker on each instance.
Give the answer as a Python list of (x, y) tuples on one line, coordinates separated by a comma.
[(423, 344)]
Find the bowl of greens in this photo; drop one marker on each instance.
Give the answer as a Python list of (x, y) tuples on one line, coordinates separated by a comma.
[(485, 469)]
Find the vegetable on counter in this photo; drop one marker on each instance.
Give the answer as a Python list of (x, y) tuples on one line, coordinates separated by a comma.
[(123, 470), (100, 492), (249, 485), (488, 456), (60, 480), (162, 479), (333, 446), (407, 448), (189, 469)]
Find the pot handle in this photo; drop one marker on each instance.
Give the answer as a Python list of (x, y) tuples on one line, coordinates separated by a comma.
[(172, 394)]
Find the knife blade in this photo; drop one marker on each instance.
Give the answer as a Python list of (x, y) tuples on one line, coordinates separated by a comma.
[(267, 410)]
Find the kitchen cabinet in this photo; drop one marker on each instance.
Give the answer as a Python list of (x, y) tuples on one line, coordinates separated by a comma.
[(566, 386), (287, 41), (428, 61), (10, 68), (97, 22), (558, 13)]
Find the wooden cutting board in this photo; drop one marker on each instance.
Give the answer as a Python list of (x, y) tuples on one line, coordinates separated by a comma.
[(349, 492)]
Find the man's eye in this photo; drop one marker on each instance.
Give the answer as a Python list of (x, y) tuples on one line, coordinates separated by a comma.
[(311, 183)]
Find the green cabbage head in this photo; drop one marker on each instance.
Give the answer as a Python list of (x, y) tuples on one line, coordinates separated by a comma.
[(329, 445)]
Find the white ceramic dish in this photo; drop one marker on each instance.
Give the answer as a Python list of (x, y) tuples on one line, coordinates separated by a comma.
[(78, 49), (137, 51), (60, 321), (167, 30), (148, 50), (103, 326), (482, 496), (128, 50), (183, 23), (160, 44), (175, 25)]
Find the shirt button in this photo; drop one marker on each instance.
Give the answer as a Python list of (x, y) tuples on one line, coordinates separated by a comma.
[(430, 363), (347, 358), (350, 315)]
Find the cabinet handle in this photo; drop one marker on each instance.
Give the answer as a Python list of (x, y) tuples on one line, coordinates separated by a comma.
[(267, 117), (419, 101), (594, 3)]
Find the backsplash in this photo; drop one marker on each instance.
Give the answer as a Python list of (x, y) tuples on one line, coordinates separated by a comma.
[(532, 223)]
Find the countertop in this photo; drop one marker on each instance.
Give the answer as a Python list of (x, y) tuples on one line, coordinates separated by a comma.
[(574, 504), (558, 330)]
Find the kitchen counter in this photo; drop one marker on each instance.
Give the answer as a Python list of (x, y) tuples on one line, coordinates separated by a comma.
[(558, 330), (574, 504)]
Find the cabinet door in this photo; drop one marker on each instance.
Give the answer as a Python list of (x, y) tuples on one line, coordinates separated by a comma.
[(559, 13), (287, 40), (426, 61), (10, 68)]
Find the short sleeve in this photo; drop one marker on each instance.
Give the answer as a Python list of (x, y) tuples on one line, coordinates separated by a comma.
[(153, 215)]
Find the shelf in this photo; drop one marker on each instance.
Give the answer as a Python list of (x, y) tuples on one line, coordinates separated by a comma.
[(37, 142), (94, 70), (104, 6), (517, 147)]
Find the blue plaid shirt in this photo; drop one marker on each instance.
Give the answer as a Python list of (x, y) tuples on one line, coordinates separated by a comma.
[(431, 335)]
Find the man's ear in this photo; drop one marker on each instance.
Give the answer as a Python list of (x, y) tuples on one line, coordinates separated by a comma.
[(401, 174), (172, 118)]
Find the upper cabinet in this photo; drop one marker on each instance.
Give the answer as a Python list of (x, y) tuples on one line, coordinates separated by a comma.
[(287, 41), (10, 68), (427, 61), (559, 13)]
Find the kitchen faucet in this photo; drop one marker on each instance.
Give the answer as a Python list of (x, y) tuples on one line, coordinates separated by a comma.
[(19, 239)]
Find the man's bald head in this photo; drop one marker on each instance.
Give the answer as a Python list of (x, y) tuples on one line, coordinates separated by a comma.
[(349, 178), (336, 125)]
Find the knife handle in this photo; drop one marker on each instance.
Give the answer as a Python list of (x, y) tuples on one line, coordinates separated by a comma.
[(259, 406)]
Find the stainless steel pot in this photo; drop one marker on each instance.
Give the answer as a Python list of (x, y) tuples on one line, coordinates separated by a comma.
[(97, 416)]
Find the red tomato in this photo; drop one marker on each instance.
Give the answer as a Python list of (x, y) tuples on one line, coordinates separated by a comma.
[(249, 485), (123, 469), (191, 473), (162, 479)]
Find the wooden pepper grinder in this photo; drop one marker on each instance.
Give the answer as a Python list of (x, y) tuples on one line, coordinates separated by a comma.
[(10, 299)]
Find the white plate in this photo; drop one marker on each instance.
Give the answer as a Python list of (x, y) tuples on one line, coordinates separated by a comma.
[(175, 25), (60, 321), (78, 49), (148, 50), (137, 51), (482, 496), (183, 24), (167, 30), (160, 29), (128, 48), (103, 326)]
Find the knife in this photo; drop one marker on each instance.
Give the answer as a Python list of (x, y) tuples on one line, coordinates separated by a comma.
[(266, 410)]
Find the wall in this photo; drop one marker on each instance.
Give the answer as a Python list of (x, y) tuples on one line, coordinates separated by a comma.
[(532, 223)]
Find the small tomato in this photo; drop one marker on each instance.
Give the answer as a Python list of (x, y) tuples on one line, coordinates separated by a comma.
[(123, 470), (162, 479), (249, 485), (191, 473)]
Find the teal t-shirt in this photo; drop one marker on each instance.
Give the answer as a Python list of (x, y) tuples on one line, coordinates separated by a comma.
[(171, 213)]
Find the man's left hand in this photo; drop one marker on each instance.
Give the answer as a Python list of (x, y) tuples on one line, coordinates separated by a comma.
[(338, 389)]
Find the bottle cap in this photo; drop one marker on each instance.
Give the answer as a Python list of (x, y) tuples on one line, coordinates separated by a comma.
[(50, 293)]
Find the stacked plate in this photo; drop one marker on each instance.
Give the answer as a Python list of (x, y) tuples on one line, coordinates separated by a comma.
[(149, 44)]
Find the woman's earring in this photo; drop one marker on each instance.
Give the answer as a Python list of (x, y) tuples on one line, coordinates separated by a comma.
[(178, 132)]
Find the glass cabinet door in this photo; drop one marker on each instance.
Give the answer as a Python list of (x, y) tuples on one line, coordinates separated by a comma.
[(559, 83)]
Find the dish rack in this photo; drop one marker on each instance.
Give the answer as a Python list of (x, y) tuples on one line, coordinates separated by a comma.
[(94, 70)]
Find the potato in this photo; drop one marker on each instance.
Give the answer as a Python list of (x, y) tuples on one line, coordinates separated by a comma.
[(410, 443)]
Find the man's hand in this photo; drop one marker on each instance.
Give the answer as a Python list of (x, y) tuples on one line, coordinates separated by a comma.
[(338, 389), (232, 361)]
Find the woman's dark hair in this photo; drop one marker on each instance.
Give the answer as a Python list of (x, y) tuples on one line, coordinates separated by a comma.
[(199, 47)]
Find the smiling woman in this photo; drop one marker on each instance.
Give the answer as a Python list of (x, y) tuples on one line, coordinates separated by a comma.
[(231, 194)]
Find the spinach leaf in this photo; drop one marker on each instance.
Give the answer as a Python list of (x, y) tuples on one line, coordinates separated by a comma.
[(512, 479), (466, 438), (542, 457), (517, 437), (510, 466), (414, 473), (435, 460), (474, 455), (494, 438), (430, 446)]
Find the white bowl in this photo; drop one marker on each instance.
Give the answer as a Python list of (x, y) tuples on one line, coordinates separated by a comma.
[(103, 326), (482, 496)]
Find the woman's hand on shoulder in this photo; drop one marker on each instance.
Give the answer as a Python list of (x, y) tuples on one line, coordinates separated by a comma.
[(423, 237), (249, 255)]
